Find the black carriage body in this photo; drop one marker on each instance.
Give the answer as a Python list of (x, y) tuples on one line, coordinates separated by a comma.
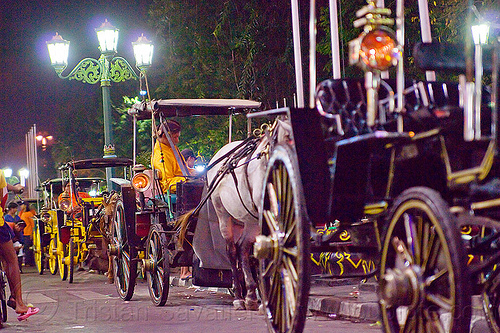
[(347, 180)]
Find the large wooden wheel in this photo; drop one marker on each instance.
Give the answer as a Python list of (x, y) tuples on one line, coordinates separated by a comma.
[(38, 250), (424, 283), (53, 261), (283, 249), (157, 266), (491, 300), (3, 296), (124, 261)]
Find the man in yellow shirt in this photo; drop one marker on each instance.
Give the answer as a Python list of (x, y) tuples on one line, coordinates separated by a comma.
[(163, 158), (8, 253)]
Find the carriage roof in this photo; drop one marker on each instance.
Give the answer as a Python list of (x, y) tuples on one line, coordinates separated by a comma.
[(193, 107), (97, 163)]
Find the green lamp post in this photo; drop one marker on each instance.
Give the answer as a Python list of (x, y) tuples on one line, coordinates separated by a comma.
[(104, 70)]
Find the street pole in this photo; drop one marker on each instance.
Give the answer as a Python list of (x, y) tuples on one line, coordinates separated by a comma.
[(104, 70)]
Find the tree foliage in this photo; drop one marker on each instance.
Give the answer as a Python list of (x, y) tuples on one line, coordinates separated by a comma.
[(238, 49)]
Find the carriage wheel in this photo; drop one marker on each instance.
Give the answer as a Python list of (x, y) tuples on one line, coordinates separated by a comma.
[(283, 249), (62, 252), (71, 259), (3, 295), (491, 303), (424, 279), (38, 250), (490, 279), (53, 256), (157, 265), (124, 263)]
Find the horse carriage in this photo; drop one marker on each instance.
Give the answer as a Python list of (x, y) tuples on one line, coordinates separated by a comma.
[(72, 226), (146, 223), (407, 168), (45, 225)]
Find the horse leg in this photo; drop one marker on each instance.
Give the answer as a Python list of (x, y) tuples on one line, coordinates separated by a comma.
[(251, 302), (232, 252), (109, 273)]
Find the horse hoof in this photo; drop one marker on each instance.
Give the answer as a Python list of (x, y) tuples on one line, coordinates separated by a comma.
[(239, 304), (251, 305)]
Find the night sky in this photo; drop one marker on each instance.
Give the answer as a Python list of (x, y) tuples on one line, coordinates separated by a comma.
[(30, 91)]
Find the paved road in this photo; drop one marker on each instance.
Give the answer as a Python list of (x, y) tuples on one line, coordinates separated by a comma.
[(92, 305)]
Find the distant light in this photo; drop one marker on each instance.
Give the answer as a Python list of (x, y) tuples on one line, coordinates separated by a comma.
[(93, 193), (24, 173), (143, 92), (7, 172), (480, 33), (199, 167)]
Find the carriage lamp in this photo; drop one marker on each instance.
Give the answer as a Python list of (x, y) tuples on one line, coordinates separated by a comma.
[(46, 217), (65, 203), (378, 49), (103, 70), (141, 182)]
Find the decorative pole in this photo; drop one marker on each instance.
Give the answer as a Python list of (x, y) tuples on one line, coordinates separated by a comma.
[(104, 70)]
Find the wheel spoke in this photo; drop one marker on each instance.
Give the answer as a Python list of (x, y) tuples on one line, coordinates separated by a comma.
[(429, 281), (433, 322), (410, 237), (269, 269), (271, 222), (444, 303)]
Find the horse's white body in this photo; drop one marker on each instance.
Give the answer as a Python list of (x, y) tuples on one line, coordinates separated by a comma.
[(236, 209)]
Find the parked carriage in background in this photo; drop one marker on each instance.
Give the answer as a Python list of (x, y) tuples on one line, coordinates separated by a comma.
[(408, 168), (68, 231)]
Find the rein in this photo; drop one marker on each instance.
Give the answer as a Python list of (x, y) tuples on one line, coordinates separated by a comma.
[(242, 150)]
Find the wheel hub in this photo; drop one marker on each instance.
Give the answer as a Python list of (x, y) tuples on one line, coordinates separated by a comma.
[(114, 250), (149, 265), (265, 246), (400, 287)]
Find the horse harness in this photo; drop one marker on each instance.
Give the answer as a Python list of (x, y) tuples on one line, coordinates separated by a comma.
[(231, 159)]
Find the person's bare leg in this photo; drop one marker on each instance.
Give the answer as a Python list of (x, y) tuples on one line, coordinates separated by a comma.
[(13, 276), (185, 272)]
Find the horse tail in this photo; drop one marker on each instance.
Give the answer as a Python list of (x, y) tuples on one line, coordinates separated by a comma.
[(182, 224)]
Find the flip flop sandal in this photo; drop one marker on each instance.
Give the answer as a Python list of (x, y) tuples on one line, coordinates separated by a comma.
[(31, 311), (189, 277)]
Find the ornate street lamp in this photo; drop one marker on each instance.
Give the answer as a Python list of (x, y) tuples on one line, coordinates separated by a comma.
[(104, 70)]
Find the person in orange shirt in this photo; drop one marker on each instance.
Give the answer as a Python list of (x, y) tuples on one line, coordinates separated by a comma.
[(26, 214)]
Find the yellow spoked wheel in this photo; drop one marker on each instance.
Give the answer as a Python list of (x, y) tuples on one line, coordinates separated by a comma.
[(424, 283), (53, 262), (283, 249), (38, 250)]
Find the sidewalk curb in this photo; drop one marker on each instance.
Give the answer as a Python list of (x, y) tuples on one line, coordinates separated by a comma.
[(339, 308)]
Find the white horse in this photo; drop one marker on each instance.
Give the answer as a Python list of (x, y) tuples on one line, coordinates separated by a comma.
[(237, 190)]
